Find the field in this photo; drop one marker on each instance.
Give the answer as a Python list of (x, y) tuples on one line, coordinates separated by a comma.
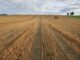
[(76, 16), (39, 37)]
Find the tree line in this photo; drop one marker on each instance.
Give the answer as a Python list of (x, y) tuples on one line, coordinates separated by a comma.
[(3, 14), (70, 14)]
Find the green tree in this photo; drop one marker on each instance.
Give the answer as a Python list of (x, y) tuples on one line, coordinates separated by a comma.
[(72, 13)]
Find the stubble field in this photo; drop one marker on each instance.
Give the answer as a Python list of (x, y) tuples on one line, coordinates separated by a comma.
[(39, 38)]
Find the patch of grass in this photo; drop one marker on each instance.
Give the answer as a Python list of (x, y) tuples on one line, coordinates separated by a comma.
[(76, 16)]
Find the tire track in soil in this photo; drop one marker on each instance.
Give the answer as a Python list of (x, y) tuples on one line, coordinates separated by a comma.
[(36, 48), (50, 46), (64, 33), (12, 41), (47, 50), (72, 52), (12, 38), (70, 39), (6, 49), (54, 47)]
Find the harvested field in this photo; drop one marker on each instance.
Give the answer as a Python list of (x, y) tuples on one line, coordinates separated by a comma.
[(39, 38)]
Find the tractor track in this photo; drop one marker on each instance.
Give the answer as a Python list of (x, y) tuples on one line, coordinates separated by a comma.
[(69, 45), (18, 35), (53, 48), (12, 45)]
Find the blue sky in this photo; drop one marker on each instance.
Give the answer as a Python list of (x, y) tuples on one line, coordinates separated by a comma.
[(39, 6)]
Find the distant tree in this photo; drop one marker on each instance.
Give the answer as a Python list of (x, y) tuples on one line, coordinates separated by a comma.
[(3, 14), (67, 14), (72, 13)]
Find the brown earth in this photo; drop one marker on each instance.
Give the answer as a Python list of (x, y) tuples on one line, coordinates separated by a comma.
[(39, 38)]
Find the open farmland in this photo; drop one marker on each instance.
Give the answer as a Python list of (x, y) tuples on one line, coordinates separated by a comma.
[(39, 38)]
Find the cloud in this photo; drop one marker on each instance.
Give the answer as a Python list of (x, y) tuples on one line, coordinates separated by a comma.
[(39, 6)]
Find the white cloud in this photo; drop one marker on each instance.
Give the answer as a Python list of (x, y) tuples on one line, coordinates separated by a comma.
[(40, 6)]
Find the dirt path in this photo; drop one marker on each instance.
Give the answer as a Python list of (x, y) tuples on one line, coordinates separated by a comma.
[(40, 38)]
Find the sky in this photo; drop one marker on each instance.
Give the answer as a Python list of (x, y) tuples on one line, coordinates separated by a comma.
[(55, 7)]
